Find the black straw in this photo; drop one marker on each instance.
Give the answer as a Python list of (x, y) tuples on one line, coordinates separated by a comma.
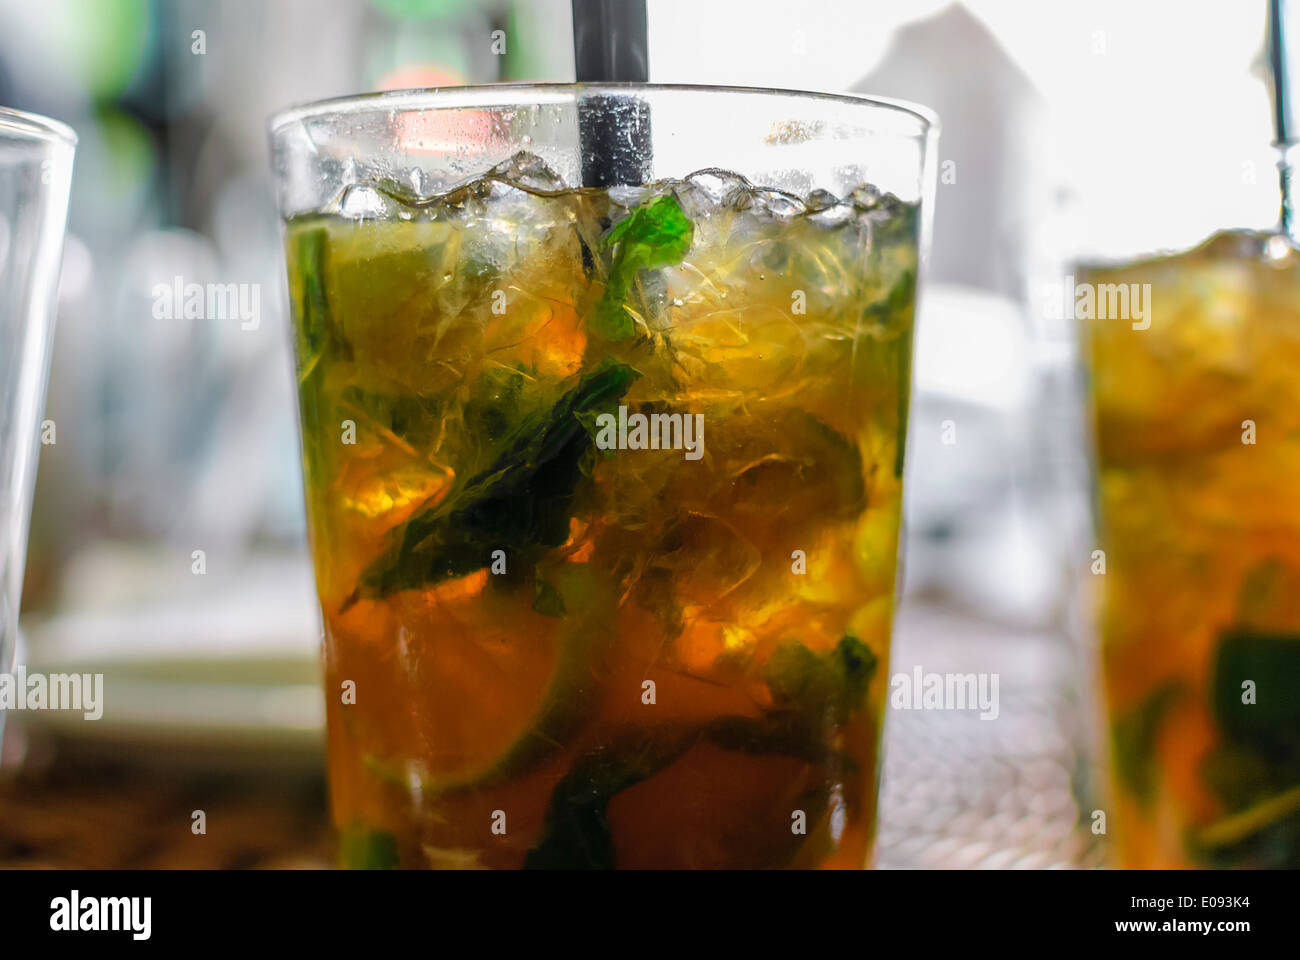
[(1282, 120), (609, 41), (609, 46)]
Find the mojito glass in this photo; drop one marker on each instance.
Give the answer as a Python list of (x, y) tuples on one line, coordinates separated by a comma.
[(604, 394), (35, 178), (1197, 416)]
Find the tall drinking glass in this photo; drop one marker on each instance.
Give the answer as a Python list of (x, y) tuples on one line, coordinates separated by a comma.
[(1195, 385), (35, 177), (1195, 371), (604, 398)]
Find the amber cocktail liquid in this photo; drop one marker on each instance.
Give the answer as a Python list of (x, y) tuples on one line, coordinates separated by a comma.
[(1198, 430), (604, 491)]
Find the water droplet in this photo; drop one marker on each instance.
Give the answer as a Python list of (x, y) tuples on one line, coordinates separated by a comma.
[(1278, 247)]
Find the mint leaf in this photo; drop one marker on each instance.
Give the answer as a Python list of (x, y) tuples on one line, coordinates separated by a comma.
[(1133, 739), (787, 735), (1270, 725), (546, 599), (821, 688), (576, 834), (361, 848), (1255, 770), (1264, 836), (521, 503), (313, 325), (658, 234), (317, 330), (900, 296), (1243, 777)]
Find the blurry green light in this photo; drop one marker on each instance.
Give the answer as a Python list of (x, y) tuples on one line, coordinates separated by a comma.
[(103, 42), (424, 9), (129, 148)]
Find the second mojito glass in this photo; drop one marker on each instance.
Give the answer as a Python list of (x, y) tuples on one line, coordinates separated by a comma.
[(604, 398), (1198, 446)]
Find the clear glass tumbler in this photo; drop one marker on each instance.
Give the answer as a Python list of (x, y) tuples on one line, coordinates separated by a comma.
[(35, 177), (604, 396)]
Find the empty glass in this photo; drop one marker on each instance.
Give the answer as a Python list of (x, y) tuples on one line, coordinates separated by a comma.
[(35, 177)]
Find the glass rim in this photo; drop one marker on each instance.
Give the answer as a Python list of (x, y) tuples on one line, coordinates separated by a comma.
[(497, 94), (36, 127)]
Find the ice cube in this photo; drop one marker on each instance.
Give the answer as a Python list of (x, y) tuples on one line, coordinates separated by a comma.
[(828, 210), (360, 201), (705, 558), (820, 199), (713, 188), (418, 179), (777, 204), (866, 197), (628, 195), (529, 172)]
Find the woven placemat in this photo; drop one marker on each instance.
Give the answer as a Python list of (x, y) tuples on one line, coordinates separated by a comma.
[(963, 792)]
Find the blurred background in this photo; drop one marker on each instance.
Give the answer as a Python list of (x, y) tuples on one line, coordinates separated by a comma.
[(167, 543)]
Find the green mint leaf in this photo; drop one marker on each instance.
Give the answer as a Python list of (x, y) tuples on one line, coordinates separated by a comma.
[(361, 848), (658, 234), (1255, 769), (313, 306), (898, 299), (787, 735), (1264, 836), (521, 503), (1270, 725), (900, 295), (1133, 739), (316, 329), (576, 834), (821, 688), (1243, 777), (546, 599)]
